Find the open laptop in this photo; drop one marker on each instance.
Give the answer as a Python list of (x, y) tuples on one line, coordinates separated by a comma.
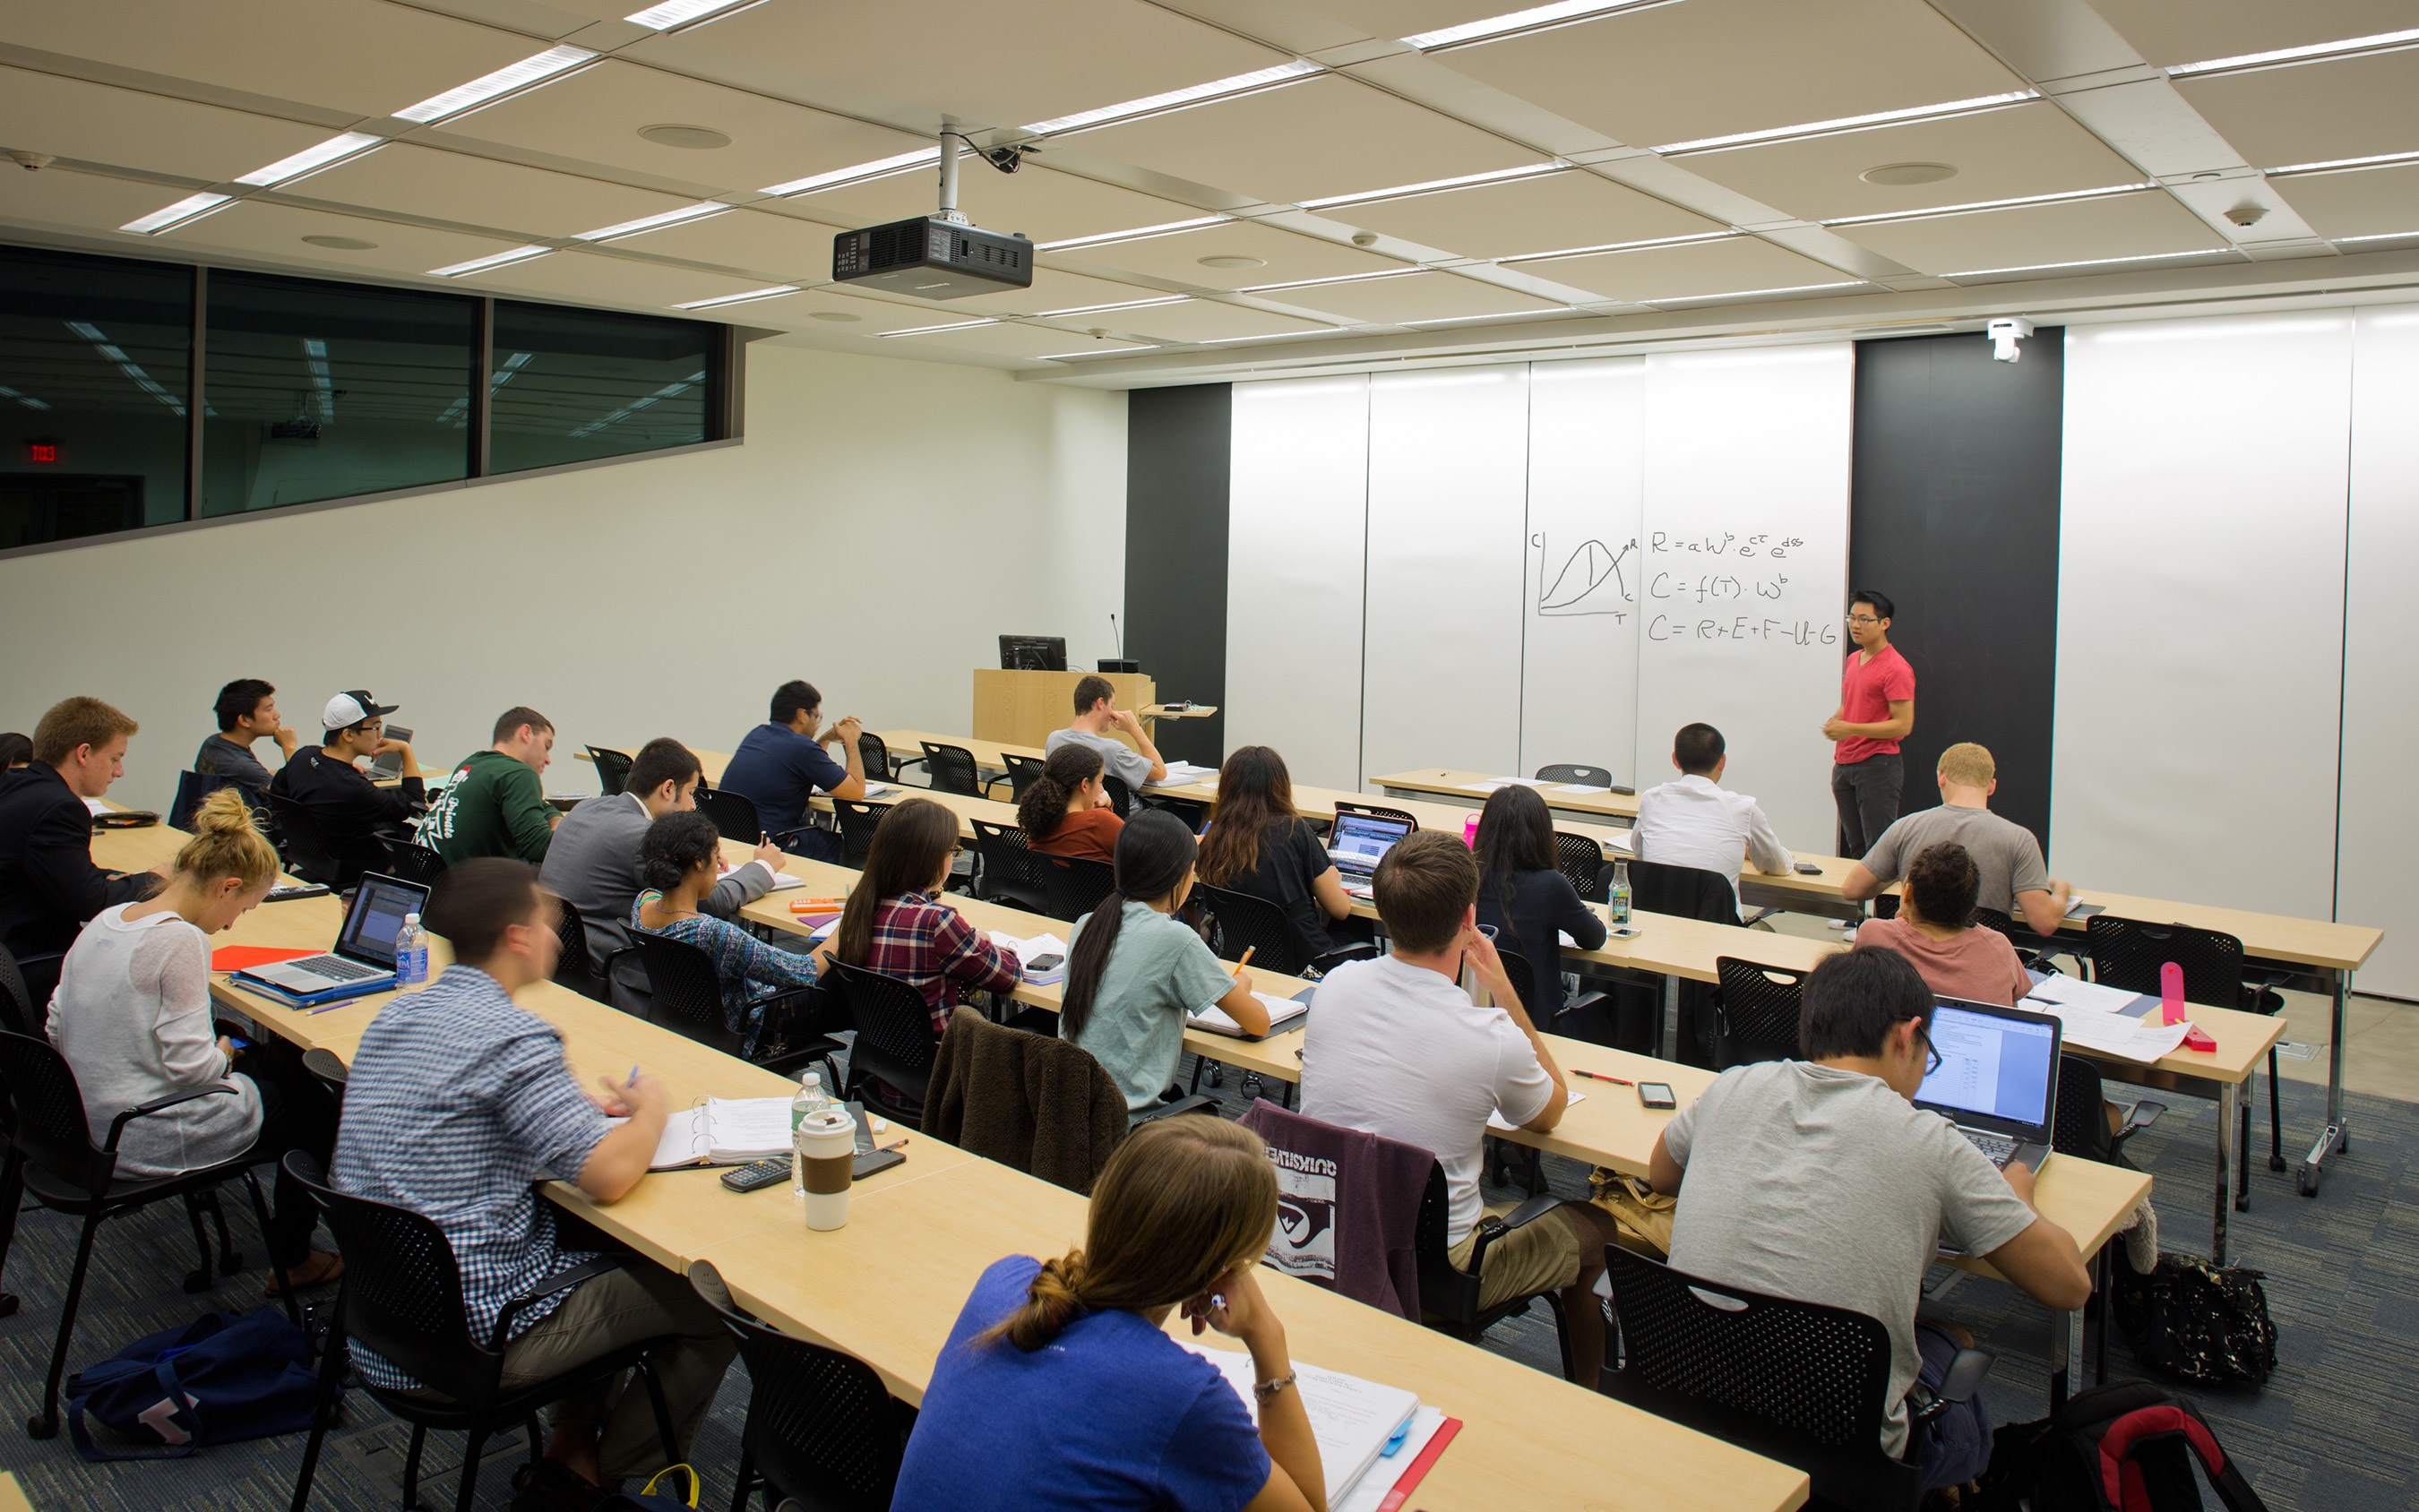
[(364, 946), (391, 763), (1357, 841), (1997, 1080)]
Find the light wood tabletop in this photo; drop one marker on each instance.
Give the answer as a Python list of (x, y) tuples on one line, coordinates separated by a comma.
[(12, 1496), (1474, 787)]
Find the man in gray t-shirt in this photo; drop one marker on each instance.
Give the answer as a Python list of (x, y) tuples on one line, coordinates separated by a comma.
[(1821, 1180), (1133, 764), (2007, 857)]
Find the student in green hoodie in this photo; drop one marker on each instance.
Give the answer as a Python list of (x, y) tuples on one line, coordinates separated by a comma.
[(494, 805)]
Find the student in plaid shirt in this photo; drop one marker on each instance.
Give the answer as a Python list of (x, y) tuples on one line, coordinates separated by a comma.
[(896, 923), (458, 1103)]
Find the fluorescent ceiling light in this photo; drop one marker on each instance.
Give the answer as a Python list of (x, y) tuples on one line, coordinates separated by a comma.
[(1272, 335), (1619, 246), (2381, 42), (25, 400), (2381, 236), (1991, 205), (697, 211), (1122, 304), (667, 392), (1178, 99), (1748, 293), (1499, 175), (309, 158), (125, 364), (1337, 278), (775, 292), (2096, 262), (192, 206), (480, 265), (1122, 347), (1850, 123), (1521, 20), (954, 325), (1502, 315), (880, 167), (1137, 233), (504, 81), (672, 13), (2374, 160)]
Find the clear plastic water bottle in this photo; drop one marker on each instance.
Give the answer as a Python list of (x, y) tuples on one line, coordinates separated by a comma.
[(411, 953), (1617, 904), (810, 1103)]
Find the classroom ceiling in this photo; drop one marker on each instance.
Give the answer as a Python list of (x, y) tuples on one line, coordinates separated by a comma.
[(1305, 176)]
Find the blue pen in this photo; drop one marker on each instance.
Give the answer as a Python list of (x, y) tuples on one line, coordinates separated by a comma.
[(633, 1080)]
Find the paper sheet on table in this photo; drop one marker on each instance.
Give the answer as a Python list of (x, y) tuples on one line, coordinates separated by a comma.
[(1351, 1418), (1625, 840), (1491, 784), (780, 879), (1581, 787), (2114, 1034), (1495, 1120), (1381, 1478), (99, 806), (2072, 992), (1027, 951), (1184, 774)]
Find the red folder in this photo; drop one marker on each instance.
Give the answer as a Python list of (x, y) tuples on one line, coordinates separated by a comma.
[(1410, 1478), (242, 956)]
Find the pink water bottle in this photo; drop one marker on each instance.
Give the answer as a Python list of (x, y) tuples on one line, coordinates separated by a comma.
[(1469, 830), (2171, 994)]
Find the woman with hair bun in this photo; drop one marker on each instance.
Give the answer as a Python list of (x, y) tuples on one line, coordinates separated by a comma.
[(1066, 812), (133, 1018), (680, 861), (1057, 1387)]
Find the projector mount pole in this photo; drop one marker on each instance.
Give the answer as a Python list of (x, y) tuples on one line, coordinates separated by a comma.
[(950, 148)]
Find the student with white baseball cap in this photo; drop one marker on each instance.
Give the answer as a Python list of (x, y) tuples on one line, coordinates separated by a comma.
[(351, 810)]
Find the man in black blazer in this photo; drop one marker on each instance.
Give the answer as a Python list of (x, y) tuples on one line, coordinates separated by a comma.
[(49, 887)]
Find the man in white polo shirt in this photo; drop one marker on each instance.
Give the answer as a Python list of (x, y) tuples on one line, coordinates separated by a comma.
[(1697, 821)]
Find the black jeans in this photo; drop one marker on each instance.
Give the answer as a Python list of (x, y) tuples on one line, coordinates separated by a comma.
[(1867, 793), (297, 1112)]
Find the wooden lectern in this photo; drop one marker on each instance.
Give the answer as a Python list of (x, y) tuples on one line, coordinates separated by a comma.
[(1021, 708)]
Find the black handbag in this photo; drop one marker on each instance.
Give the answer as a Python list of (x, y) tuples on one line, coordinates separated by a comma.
[(2198, 1322)]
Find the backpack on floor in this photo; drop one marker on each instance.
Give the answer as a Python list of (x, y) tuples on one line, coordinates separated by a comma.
[(2195, 1322), (228, 1377), (2125, 1447)]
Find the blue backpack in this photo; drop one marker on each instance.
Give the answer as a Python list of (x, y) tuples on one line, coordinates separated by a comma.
[(228, 1377)]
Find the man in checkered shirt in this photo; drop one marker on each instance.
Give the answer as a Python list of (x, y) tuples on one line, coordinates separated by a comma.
[(458, 1103)]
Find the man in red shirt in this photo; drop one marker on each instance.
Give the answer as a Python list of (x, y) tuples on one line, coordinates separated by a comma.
[(1876, 708)]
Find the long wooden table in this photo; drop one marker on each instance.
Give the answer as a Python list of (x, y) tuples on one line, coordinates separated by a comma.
[(1475, 787)]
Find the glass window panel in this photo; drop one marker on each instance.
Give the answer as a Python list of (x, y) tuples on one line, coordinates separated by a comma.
[(95, 355), (317, 391), (573, 385)]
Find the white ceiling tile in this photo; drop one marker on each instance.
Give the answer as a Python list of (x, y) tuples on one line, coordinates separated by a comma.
[(59, 197), (454, 186), (277, 231), (1277, 256), (1549, 214), (2034, 235), (986, 65), (1324, 136), (125, 128), (596, 116), (1408, 297), (2024, 149), (1206, 320), (1712, 67), (594, 278), (780, 246), (2317, 113), (1005, 340), (1412, 18), (1046, 206), (2169, 32), (2372, 202), (1055, 291), (361, 55), (1697, 271), (830, 311)]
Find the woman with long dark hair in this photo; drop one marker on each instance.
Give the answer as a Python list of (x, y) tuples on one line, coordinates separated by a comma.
[(1524, 895), (1066, 810), (680, 864), (1136, 975), (1258, 843), (897, 923)]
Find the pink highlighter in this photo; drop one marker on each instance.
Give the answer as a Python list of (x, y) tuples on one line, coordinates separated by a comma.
[(1470, 831), (2171, 994)]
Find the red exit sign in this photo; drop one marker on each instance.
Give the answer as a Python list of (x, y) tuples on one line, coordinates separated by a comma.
[(45, 452)]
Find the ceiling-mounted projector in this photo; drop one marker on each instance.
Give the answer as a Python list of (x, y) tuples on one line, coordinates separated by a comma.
[(940, 256)]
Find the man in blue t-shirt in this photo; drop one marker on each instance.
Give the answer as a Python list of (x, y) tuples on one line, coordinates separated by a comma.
[(783, 762)]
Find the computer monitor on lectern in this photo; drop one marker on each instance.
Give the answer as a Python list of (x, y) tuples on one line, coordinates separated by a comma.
[(1033, 653)]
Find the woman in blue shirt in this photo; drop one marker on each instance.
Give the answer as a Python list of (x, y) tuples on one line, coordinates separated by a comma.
[(1057, 1387), (680, 861)]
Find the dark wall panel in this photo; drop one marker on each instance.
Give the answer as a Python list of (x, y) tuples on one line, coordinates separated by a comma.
[(1954, 516), (1177, 463)]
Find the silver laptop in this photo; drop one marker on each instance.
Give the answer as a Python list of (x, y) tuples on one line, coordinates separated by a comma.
[(390, 765), (1356, 842), (1997, 1078), (364, 946)]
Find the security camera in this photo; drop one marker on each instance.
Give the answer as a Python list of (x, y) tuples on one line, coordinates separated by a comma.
[(1364, 238), (2248, 215), (31, 160), (2005, 332)]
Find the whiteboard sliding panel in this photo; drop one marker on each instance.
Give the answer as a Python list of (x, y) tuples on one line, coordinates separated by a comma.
[(2200, 610), (1298, 519), (1448, 465), (2376, 884), (1745, 565), (1579, 701)]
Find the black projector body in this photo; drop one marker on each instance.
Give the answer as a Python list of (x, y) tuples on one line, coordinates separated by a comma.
[(933, 258)]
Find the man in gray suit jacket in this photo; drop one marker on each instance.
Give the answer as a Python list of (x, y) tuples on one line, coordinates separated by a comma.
[(592, 862)]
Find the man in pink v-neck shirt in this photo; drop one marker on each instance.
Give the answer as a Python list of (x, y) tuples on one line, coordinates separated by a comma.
[(1876, 709)]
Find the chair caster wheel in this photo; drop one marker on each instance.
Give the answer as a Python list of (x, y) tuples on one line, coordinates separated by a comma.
[(198, 1281), (42, 1428), (8, 1301), (2276, 1163)]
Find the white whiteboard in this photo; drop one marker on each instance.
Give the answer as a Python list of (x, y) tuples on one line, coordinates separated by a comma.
[(2200, 610), (1448, 473), (2374, 882), (1578, 671), (1298, 520), (1744, 564)]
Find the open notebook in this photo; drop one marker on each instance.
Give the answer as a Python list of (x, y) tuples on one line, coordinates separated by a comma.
[(1040, 948), (724, 1131), (1283, 1013), (1353, 1419)]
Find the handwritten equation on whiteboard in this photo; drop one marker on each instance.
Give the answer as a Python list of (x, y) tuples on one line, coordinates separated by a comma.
[(1688, 598)]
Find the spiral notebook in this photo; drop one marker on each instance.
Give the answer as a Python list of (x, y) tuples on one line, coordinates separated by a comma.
[(724, 1131)]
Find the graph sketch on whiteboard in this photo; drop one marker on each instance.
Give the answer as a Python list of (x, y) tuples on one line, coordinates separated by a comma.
[(1591, 579)]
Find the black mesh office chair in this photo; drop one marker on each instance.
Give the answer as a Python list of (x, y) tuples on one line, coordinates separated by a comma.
[(1011, 872), (1687, 892), (23, 998), (402, 1297), (857, 823), (412, 861), (2126, 954), (734, 814), (1791, 1381), (1121, 797), (612, 768), (192, 787), (1234, 922), (822, 1432), (1022, 771), (1075, 887), (894, 1045), (1594, 777), (1584, 1017), (2080, 1125), (1449, 1293), (1581, 859), (686, 992), (1378, 808), (952, 769), (574, 966), (1760, 1009), (307, 851), (874, 752)]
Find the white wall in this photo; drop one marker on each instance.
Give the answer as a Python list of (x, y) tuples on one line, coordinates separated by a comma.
[(882, 524)]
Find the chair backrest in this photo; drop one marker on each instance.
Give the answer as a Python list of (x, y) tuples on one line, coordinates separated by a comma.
[(1761, 1007), (1236, 921), (574, 968), (1379, 810), (403, 1291), (17, 1008), (822, 1426), (1594, 777), (1522, 977), (1120, 796), (2080, 1124), (951, 769), (1993, 919), (49, 1128), (1075, 887), (1445, 1289), (412, 861), (192, 787), (1793, 1381), (894, 1028), (1683, 892), (734, 814), (875, 752), (2126, 954), (857, 822), (687, 990), (612, 768), (1581, 859), (1023, 771), (1007, 858), (308, 854)]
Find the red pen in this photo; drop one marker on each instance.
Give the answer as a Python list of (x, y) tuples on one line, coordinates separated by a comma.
[(1599, 1076)]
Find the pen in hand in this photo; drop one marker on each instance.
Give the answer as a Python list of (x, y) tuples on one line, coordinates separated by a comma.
[(1248, 951)]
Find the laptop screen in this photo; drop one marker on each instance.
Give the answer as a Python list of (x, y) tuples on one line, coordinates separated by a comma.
[(376, 918), (1364, 837), (1991, 1067)]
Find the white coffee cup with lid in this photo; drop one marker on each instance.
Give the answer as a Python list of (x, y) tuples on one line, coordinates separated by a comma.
[(827, 1155)]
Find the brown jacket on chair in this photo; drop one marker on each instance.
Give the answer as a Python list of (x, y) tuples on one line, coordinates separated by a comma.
[(1041, 1104)]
